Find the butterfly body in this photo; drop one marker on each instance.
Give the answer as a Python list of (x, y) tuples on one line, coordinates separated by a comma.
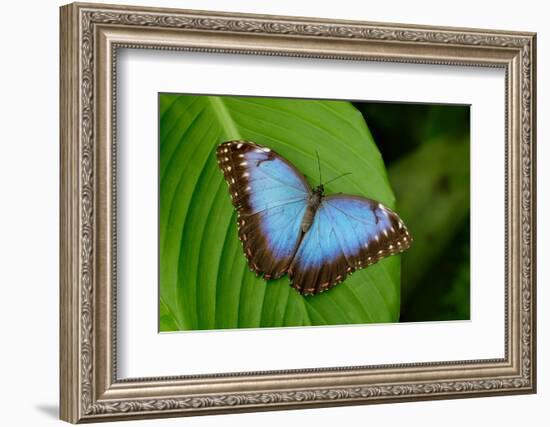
[(312, 205), (286, 227)]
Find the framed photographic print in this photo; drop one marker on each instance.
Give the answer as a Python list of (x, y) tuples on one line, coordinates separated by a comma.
[(266, 212)]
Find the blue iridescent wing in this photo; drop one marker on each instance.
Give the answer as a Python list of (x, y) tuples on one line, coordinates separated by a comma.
[(270, 197), (348, 233)]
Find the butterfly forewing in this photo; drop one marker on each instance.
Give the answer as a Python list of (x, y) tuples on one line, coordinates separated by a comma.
[(270, 197), (348, 233)]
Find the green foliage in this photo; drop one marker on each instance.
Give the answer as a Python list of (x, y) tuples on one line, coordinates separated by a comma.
[(426, 148), (443, 293), (432, 184), (400, 128), (204, 279)]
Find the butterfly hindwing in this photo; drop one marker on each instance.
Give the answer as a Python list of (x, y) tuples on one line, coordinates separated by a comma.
[(348, 233), (270, 197)]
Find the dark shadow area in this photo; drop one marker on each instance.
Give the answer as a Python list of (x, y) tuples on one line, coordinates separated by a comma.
[(426, 149), (50, 410)]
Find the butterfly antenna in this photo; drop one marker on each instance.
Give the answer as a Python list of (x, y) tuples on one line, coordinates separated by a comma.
[(339, 176), (319, 165)]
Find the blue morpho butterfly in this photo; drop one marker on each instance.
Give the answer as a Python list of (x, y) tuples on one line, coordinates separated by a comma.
[(286, 227)]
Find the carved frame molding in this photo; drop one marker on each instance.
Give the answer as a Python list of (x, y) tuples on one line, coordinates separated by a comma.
[(90, 36)]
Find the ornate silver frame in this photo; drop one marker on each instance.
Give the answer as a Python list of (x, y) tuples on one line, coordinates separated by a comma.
[(90, 36)]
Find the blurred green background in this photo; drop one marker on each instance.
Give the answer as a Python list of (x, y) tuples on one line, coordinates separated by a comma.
[(426, 149)]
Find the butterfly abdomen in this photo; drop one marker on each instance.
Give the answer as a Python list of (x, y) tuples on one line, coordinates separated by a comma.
[(312, 205)]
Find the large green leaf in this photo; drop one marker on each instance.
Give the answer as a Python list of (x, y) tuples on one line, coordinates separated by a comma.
[(204, 279)]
